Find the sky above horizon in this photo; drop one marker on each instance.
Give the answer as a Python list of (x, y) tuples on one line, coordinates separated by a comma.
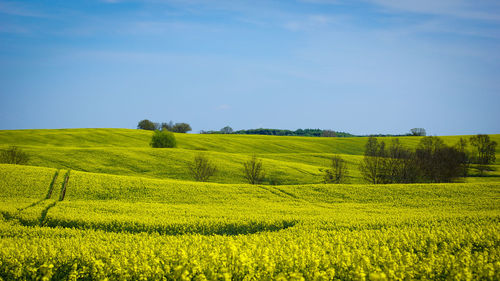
[(362, 66)]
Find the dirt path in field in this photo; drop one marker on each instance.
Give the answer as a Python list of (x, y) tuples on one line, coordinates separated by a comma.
[(64, 185), (51, 186)]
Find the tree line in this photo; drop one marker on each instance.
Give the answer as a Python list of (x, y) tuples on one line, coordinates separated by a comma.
[(185, 127), (281, 132), (432, 161)]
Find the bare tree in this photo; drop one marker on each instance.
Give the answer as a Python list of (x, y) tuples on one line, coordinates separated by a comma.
[(437, 161), (485, 151), (337, 173), (372, 166), (202, 168), (14, 155), (432, 161), (461, 147), (397, 164), (253, 171), (426, 154)]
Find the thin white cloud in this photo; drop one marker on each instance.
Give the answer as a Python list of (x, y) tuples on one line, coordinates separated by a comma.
[(469, 18), (450, 27), (476, 10)]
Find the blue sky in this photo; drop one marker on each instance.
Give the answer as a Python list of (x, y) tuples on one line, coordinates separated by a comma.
[(367, 66)]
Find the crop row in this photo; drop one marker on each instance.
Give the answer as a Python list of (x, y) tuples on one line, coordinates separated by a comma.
[(118, 203), (25, 181), (127, 228), (90, 186)]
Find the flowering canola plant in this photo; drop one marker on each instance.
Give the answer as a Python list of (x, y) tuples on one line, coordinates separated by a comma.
[(131, 228)]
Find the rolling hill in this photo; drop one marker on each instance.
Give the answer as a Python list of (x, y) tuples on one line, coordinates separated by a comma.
[(287, 160), (99, 204)]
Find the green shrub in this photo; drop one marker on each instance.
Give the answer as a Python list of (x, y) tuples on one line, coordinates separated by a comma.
[(162, 139)]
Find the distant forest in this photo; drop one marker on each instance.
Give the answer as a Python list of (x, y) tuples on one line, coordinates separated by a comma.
[(185, 127), (308, 133), (280, 132)]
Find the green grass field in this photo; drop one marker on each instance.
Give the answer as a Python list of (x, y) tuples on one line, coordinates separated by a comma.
[(131, 212), (287, 160)]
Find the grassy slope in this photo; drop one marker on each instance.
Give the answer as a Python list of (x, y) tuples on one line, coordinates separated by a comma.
[(288, 160), (166, 163), (220, 143)]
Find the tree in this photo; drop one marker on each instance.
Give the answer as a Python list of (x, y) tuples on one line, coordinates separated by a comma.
[(146, 125), (431, 143), (202, 168), (426, 154), (14, 155), (337, 173), (226, 130), (372, 166), (451, 164), (461, 146), (162, 139), (253, 171), (484, 151), (418, 132), (433, 161), (181, 128), (437, 161), (167, 126), (400, 165)]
